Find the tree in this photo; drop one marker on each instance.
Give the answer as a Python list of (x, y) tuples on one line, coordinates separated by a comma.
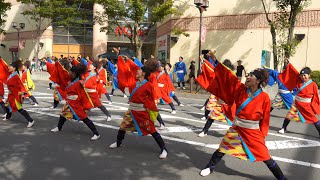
[(4, 6), (133, 18), (46, 12), (282, 24)]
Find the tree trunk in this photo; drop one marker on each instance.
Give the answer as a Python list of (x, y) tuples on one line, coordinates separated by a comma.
[(137, 43), (292, 20), (274, 46)]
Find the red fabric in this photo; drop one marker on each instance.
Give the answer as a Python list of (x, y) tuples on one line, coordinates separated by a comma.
[(309, 110), (165, 91), (101, 86), (1, 89), (15, 88), (229, 111), (62, 75), (127, 72), (207, 75), (75, 62), (290, 77), (24, 81), (227, 87), (50, 68), (144, 95), (91, 83), (4, 71), (153, 80), (82, 103), (62, 92)]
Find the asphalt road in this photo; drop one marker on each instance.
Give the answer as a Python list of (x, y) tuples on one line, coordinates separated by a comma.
[(36, 153)]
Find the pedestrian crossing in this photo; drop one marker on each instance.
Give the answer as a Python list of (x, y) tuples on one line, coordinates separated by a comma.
[(192, 125)]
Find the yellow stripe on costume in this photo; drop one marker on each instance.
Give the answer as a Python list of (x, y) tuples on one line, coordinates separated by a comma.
[(30, 83), (293, 114), (18, 105), (232, 145)]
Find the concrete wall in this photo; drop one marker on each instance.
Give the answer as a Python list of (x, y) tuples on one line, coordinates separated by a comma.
[(10, 39), (237, 29)]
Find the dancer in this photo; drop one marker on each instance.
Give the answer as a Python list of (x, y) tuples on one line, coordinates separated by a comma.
[(142, 110), (113, 69), (181, 70), (306, 105), (27, 82), (77, 101), (2, 96), (102, 83), (172, 95), (246, 138), (216, 109), (165, 87), (284, 96), (90, 86), (16, 92), (3, 78)]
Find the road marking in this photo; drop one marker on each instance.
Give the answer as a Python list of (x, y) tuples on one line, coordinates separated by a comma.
[(287, 144)]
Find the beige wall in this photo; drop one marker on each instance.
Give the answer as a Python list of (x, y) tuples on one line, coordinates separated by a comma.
[(28, 34), (241, 39)]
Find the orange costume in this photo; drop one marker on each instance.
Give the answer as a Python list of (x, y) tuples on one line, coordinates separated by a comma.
[(90, 86), (165, 86), (142, 110), (251, 123), (101, 86), (16, 90), (306, 105), (127, 71)]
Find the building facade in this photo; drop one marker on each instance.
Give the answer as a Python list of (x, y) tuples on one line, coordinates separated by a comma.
[(84, 40), (238, 30)]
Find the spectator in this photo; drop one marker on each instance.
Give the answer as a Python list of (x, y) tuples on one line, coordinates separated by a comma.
[(192, 73), (240, 69)]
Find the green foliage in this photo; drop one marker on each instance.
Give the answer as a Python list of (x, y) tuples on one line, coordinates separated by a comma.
[(285, 21), (315, 75), (177, 31), (4, 6), (57, 11), (134, 15)]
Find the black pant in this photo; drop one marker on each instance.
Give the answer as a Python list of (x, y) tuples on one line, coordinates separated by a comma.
[(156, 136), (108, 97), (175, 98), (23, 112), (271, 164), (207, 125), (55, 103), (183, 84), (172, 106), (34, 100), (159, 118), (87, 121), (105, 111), (287, 121), (205, 104)]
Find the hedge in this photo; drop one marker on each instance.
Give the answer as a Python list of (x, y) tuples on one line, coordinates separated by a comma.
[(315, 75)]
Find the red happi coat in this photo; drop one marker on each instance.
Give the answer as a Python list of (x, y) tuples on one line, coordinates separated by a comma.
[(60, 76), (290, 77), (90, 83), (16, 90), (127, 71), (101, 86), (144, 95), (164, 79), (227, 87), (205, 79), (81, 103), (1, 91), (156, 90), (4, 71)]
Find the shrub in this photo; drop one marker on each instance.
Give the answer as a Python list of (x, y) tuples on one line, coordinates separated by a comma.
[(315, 75)]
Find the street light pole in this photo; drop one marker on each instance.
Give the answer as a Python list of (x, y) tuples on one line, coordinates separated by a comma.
[(18, 28), (202, 5)]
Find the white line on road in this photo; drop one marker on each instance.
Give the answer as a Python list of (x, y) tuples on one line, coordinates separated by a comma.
[(274, 144)]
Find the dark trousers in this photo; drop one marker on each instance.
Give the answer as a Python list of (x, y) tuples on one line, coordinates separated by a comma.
[(287, 121), (23, 112), (271, 164), (183, 84), (105, 111), (175, 98), (156, 136), (87, 121)]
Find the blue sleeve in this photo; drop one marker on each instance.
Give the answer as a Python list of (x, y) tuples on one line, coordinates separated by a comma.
[(111, 68), (137, 62), (84, 61), (215, 63), (273, 76), (171, 77), (49, 60)]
